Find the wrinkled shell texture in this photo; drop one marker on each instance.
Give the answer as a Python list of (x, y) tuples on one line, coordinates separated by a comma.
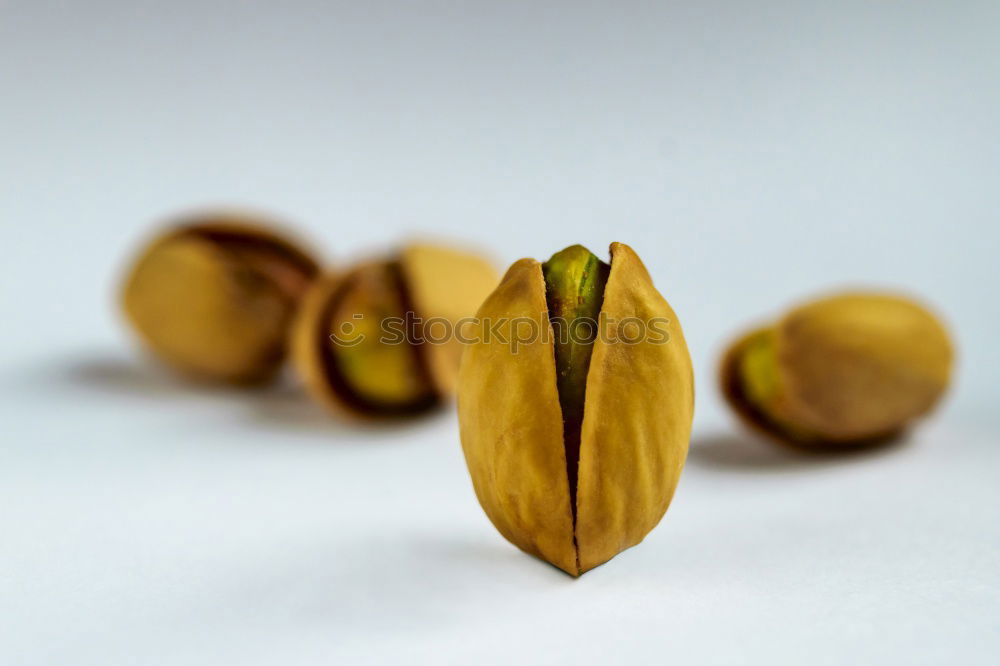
[(636, 428), (214, 311), (439, 282), (856, 368)]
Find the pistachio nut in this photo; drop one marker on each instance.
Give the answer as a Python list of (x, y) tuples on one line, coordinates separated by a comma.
[(575, 428), (847, 370), (382, 338), (214, 295)]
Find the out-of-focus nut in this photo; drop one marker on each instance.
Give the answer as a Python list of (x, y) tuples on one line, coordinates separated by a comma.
[(214, 295), (380, 338), (847, 370)]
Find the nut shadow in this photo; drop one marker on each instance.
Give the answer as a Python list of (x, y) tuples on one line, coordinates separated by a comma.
[(123, 378), (283, 405), (745, 453)]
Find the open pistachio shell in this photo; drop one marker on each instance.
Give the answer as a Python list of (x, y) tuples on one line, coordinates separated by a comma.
[(445, 287), (847, 370), (213, 296), (366, 341), (638, 406)]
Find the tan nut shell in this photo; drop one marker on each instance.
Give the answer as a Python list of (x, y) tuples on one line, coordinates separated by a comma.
[(445, 284), (440, 283), (857, 367), (636, 426), (213, 296)]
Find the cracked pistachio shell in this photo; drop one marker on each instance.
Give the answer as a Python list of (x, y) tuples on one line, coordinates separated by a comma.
[(638, 407), (848, 370), (371, 376), (214, 296)]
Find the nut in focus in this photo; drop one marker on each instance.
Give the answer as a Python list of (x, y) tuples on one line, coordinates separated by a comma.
[(575, 442)]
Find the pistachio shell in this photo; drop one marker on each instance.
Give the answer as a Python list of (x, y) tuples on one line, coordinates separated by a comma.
[(637, 421), (213, 297), (511, 423), (377, 378), (310, 354), (445, 285), (849, 369), (370, 378)]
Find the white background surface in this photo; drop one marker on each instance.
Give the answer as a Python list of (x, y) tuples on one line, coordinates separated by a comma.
[(751, 155)]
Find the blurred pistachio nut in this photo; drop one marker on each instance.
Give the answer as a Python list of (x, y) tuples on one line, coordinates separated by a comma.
[(847, 370), (214, 296), (575, 437), (380, 339)]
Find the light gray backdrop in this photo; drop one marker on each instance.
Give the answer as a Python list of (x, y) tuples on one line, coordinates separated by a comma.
[(752, 153)]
